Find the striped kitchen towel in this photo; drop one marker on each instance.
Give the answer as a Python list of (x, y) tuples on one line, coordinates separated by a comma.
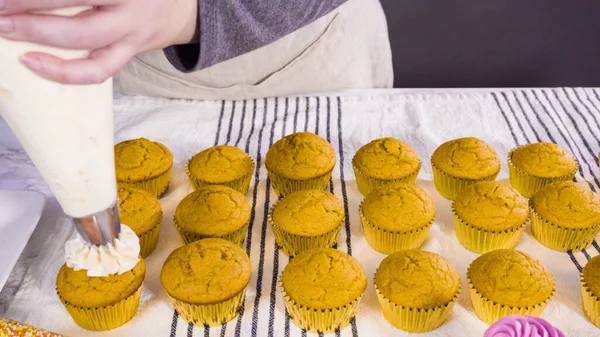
[(503, 118)]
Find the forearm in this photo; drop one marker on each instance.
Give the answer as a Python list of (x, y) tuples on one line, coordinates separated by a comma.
[(231, 28)]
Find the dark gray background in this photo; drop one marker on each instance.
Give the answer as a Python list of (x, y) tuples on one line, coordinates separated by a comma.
[(494, 43)]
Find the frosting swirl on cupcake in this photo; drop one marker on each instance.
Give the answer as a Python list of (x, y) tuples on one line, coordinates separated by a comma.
[(522, 326)]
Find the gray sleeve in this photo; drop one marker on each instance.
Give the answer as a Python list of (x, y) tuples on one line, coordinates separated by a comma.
[(230, 28)]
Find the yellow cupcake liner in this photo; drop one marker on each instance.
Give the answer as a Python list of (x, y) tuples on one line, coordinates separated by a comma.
[(561, 238), (489, 311), (157, 186), (415, 319), (241, 185), (210, 314), (149, 238), (319, 320), (284, 186), (481, 240), (388, 242), (528, 184), (590, 303), (236, 237), (292, 244), (107, 317), (450, 186), (367, 184)]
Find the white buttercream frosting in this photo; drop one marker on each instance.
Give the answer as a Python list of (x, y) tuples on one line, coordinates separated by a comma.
[(101, 261)]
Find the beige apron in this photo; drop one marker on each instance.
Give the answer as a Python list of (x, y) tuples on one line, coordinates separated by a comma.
[(346, 49)]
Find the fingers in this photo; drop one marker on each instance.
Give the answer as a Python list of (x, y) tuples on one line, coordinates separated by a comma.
[(97, 68), (22, 6), (88, 30)]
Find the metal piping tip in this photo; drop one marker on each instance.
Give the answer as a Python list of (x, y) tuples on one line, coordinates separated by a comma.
[(99, 228)]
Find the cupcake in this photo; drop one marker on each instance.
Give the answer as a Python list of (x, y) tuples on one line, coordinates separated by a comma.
[(306, 219), (100, 303), (206, 280), (590, 290), (221, 165), (508, 282), (396, 217), (534, 166), (144, 165), (213, 212), (489, 215), (300, 161), (142, 212), (522, 326), (384, 161), (565, 216), (321, 289), (416, 289), (10, 328), (462, 162)]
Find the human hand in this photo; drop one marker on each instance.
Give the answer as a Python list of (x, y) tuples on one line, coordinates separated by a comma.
[(114, 31)]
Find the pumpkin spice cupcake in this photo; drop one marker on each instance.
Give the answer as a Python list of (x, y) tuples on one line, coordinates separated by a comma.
[(590, 290), (396, 216), (100, 303), (306, 219), (384, 161), (508, 282), (300, 161), (489, 215), (321, 289), (206, 280), (416, 289), (462, 162), (142, 212), (565, 216), (221, 165), (213, 212), (143, 164), (534, 166)]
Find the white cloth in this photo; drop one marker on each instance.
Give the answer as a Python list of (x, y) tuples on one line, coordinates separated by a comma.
[(347, 48), (569, 117)]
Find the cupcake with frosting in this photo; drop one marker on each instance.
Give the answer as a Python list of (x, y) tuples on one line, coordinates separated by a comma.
[(100, 286), (522, 326)]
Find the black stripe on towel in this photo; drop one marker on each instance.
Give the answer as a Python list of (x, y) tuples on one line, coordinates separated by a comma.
[(220, 122), (238, 325), (261, 262)]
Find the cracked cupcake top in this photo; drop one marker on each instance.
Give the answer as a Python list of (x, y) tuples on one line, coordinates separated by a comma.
[(324, 278), (138, 209), (417, 279), (568, 204), (546, 160), (387, 158), (308, 212), (466, 158), (511, 277), (492, 205), (81, 290), (220, 164), (213, 211), (208, 271), (140, 159), (399, 207), (300, 156), (591, 275)]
